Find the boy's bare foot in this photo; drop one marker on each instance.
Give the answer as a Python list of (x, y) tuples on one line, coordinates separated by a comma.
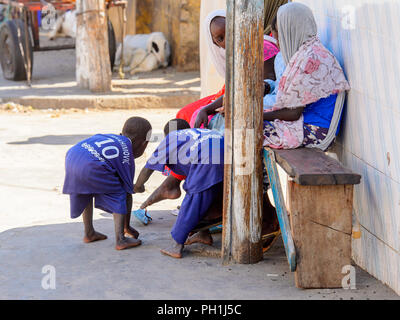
[(200, 237), (127, 243), (174, 251), (131, 232), (171, 192), (94, 236)]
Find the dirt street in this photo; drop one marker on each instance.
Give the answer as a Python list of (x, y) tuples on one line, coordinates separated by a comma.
[(36, 231)]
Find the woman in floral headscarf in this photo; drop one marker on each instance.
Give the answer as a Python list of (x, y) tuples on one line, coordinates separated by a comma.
[(309, 85)]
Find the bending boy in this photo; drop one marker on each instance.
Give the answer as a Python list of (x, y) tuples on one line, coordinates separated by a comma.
[(102, 168), (197, 154), (170, 188)]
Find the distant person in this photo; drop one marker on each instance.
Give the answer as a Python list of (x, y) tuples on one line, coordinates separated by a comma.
[(102, 168)]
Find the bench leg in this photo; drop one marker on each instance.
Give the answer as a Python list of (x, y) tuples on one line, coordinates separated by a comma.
[(270, 164), (321, 221)]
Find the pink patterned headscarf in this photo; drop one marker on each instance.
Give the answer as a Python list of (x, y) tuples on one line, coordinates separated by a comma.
[(312, 73), (270, 50)]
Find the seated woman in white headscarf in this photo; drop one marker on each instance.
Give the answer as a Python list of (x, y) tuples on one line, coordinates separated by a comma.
[(215, 32), (216, 46), (307, 91)]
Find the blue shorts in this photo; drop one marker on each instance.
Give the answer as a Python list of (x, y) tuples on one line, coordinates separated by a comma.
[(111, 202), (193, 209)]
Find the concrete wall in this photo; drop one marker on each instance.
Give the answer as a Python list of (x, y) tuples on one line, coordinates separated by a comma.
[(211, 81), (363, 34), (144, 11), (179, 21)]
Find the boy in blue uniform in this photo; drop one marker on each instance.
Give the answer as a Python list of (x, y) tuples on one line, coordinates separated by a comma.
[(197, 154), (170, 188), (102, 168)]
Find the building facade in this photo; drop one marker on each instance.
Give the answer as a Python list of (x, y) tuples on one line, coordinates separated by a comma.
[(179, 21)]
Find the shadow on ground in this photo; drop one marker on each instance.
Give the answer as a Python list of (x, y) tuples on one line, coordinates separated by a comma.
[(95, 270), (67, 139), (98, 271), (71, 139)]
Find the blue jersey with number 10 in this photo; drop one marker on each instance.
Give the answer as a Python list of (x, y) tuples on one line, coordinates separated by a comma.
[(197, 154), (101, 164)]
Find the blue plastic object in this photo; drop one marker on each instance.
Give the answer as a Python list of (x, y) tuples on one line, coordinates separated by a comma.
[(142, 216), (216, 229), (39, 16)]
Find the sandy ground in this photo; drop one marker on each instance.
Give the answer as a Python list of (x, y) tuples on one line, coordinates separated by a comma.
[(36, 231)]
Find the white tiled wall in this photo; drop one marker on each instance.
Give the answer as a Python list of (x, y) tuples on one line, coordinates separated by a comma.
[(365, 37)]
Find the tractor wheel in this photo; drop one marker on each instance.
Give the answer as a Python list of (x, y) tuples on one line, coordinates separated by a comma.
[(112, 46), (11, 58)]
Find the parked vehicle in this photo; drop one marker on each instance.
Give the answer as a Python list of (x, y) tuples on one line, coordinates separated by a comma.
[(19, 33)]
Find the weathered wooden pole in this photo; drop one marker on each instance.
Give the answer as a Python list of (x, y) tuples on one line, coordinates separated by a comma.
[(131, 13), (93, 70), (243, 132)]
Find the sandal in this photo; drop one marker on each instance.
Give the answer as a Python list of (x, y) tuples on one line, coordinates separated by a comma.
[(142, 216), (269, 239)]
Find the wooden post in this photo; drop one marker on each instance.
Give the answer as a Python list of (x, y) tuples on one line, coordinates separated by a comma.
[(117, 16), (243, 132), (131, 17), (93, 70)]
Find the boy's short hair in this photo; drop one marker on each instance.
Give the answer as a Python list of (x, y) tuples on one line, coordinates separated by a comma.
[(175, 124), (137, 128)]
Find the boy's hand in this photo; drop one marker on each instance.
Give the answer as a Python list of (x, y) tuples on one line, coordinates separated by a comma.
[(201, 119), (138, 189), (267, 88), (221, 110)]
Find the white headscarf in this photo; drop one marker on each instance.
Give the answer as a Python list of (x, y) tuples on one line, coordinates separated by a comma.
[(217, 53), (296, 25)]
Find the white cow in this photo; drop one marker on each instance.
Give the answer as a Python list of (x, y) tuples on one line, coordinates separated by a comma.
[(143, 53)]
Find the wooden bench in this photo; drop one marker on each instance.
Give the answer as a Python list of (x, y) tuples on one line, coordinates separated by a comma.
[(316, 217)]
